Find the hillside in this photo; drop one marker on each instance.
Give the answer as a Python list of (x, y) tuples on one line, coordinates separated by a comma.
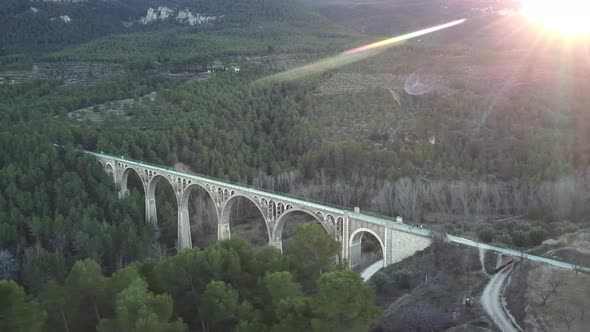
[(51, 25), (481, 130)]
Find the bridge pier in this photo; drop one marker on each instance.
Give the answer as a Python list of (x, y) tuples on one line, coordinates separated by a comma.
[(184, 229), (123, 193), (278, 244), (354, 252), (345, 241), (151, 214), (223, 231)]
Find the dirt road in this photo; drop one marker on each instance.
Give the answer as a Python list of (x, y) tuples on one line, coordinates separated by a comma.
[(491, 301), (372, 269)]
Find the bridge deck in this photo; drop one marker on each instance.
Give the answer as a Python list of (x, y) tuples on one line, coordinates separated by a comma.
[(377, 220)]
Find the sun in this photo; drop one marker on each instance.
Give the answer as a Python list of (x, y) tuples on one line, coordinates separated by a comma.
[(569, 17)]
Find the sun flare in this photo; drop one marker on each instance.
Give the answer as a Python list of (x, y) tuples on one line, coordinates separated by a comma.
[(570, 17)]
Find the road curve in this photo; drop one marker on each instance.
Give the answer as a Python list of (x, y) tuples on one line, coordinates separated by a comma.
[(368, 272), (491, 301)]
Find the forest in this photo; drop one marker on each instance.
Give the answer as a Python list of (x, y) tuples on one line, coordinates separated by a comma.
[(224, 287), (33, 27), (504, 163)]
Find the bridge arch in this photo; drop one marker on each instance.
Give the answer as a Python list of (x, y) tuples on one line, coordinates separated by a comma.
[(355, 243), (184, 200), (274, 209), (339, 228), (330, 220), (184, 223), (282, 220), (225, 216), (153, 184), (168, 229), (108, 167), (124, 182)]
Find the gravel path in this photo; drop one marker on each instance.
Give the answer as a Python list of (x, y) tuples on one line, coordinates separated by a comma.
[(371, 269), (491, 301)]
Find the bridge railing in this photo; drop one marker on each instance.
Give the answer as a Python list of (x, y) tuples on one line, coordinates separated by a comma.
[(225, 182), (366, 216)]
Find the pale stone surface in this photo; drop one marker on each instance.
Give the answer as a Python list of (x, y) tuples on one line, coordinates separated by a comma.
[(275, 209), (183, 16), (64, 18), (404, 245)]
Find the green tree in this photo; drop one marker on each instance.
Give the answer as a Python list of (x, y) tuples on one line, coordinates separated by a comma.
[(85, 294), (17, 314), (536, 236), (55, 300), (218, 306), (114, 285), (139, 310), (343, 303), (520, 238), (274, 288), (42, 268), (311, 252), (270, 259), (181, 276), (486, 234), (380, 280), (249, 319), (295, 314)]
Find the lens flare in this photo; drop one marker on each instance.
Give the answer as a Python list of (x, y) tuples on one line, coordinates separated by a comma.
[(401, 38), (355, 54), (569, 17)]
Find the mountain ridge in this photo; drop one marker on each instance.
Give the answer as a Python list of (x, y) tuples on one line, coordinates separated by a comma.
[(54, 24)]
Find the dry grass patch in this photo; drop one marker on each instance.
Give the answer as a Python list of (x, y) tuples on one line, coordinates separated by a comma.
[(559, 299)]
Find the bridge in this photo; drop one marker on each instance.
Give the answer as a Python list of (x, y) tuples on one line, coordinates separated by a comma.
[(397, 240)]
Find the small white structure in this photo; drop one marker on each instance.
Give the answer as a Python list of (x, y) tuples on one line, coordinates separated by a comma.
[(64, 18)]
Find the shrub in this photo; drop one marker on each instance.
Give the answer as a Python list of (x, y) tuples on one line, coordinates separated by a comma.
[(536, 236), (402, 279), (505, 239), (520, 238), (380, 281), (486, 234), (565, 227)]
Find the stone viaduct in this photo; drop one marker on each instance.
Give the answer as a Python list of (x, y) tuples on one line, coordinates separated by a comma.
[(397, 240)]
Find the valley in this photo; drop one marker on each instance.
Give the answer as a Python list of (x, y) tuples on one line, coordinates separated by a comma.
[(480, 130)]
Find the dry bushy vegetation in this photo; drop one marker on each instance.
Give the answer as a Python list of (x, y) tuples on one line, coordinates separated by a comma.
[(71, 72), (425, 292), (558, 299), (456, 206)]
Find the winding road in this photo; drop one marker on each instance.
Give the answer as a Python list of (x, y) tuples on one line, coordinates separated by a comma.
[(492, 303), (368, 272)]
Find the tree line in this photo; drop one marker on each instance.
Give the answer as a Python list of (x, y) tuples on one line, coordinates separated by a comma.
[(492, 211), (225, 287)]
